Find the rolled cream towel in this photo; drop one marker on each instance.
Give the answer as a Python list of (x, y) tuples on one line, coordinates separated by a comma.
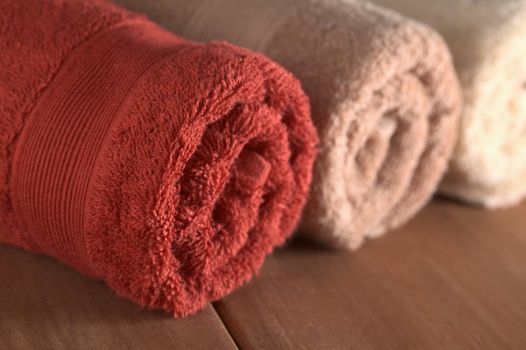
[(384, 96), (167, 168), (488, 42)]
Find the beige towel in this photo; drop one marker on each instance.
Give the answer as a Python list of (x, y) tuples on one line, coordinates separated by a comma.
[(384, 96), (488, 42)]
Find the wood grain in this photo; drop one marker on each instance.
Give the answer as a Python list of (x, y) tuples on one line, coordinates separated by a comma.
[(45, 305), (453, 278)]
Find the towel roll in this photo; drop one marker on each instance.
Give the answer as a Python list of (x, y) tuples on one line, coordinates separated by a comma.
[(385, 100), (167, 168), (488, 42)]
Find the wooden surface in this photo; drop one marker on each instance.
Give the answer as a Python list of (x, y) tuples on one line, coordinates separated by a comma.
[(453, 278), (44, 305)]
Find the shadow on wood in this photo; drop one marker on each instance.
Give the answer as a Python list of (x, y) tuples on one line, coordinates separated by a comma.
[(453, 278)]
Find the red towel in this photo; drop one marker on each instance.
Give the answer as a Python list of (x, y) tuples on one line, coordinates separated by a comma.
[(167, 168)]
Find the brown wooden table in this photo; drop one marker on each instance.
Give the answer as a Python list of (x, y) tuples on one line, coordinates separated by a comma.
[(453, 278)]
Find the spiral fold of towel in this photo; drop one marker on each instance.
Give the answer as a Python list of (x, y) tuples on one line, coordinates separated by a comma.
[(488, 42), (385, 100), (167, 168)]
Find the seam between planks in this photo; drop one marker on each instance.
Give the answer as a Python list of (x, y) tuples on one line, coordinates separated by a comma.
[(225, 326)]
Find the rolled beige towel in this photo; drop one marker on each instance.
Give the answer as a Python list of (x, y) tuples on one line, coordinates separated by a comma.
[(488, 42), (384, 96)]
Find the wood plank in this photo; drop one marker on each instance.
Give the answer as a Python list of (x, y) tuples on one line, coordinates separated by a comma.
[(45, 305), (453, 278)]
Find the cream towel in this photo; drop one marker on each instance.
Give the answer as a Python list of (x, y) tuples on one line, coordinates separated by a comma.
[(384, 96), (488, 42)]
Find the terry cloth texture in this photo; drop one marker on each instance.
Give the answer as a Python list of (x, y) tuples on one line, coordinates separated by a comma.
[(488, 42), (167, 168), (384, 95)]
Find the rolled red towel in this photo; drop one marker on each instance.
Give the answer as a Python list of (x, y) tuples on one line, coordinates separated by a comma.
[(167, 168)]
